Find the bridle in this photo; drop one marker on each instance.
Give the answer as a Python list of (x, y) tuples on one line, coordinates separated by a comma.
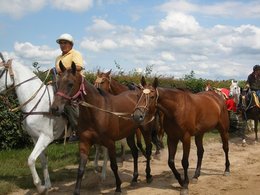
[(147, 92), (7, 69), (80, 92), (99, 80)]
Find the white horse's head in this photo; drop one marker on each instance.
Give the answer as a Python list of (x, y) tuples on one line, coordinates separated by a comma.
[(234, 90), (6, 74)]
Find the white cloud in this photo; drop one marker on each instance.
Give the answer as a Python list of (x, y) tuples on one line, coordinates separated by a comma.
[(42, 54), (93, 45), (179, 23), (19, 8), (235, 9), (167, 56), (72, 5)]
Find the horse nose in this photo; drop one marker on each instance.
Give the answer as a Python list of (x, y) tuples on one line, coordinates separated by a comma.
[(138, 116), (54, 110)]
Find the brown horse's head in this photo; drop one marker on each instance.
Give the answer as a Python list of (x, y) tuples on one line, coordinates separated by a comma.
[(146, 107), (70, 88), (103, 80)]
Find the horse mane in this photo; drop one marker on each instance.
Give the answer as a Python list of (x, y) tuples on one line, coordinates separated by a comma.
[(101, 92), (184, 89)]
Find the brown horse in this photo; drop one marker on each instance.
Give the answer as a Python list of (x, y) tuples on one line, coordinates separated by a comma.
[(185, 115), (102, 120), (106, 82)]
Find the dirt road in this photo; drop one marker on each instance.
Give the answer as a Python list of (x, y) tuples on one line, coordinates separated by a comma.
[(244, 177)]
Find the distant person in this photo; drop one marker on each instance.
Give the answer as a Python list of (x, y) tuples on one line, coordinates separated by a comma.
[(253, 80), (208, 87), (68, 56)]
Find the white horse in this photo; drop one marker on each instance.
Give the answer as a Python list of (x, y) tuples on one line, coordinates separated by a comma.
[(234, 91), (35, 99)]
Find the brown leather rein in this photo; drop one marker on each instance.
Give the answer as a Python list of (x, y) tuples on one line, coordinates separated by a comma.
[(8, 69)]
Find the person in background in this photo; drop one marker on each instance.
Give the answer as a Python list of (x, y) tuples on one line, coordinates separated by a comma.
[(253, 80), (67, 56)]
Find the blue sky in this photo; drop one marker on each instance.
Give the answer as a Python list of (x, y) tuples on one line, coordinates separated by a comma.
[(216, 39)]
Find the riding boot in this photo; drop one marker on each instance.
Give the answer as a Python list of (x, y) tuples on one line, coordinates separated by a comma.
[(72, 113)]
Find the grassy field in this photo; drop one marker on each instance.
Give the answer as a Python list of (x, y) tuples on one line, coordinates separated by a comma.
[(15, 173)]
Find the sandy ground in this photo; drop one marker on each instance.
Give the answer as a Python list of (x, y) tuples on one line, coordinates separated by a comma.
[(244, 177)]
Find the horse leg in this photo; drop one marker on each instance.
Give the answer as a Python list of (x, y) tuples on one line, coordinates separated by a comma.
[(104, 167), (225, 146), (200, 152), (84, 148), (113, 164), (155, 139), (139, 141), (131, 143), (148, 143), (123, 148), (256, 129), (41, 144), (97, 154), (185, 162), (172, 148), (44, 163)]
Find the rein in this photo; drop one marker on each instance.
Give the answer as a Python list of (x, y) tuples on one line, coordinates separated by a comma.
[(8, 68), (119, 114), (33, 96)]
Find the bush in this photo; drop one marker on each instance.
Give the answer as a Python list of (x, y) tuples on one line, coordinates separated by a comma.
[(11, 133)]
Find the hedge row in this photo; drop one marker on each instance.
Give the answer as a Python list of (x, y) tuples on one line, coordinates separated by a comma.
[(13, 136)]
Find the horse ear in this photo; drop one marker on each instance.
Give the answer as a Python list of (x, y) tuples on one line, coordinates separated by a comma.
[(143, 82), (73, 67), (98, 72), (109, 72), (62, 67), (155, 82)]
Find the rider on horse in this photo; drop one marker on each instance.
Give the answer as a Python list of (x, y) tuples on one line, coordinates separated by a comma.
[(253, 80), (68, 56)]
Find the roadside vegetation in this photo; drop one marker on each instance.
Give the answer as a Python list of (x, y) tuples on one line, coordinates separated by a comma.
[(16, 145)]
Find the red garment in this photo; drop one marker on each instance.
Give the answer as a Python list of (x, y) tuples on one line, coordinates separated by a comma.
[(225, 92), (231, 105)]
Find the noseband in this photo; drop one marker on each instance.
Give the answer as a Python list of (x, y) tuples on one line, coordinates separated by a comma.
[(100, 80), (81, 92), (146, 92), (7, 69)]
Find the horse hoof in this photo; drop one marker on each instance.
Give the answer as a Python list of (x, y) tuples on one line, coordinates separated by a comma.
[(194, 180), (226, 173), (149, 180), (184, 191), (133, 183), (43, 190), (118, 193)]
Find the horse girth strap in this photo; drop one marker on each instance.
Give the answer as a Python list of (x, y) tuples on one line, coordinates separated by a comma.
[(119, 114)]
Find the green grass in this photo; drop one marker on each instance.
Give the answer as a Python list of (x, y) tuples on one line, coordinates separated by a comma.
[(15, 173)]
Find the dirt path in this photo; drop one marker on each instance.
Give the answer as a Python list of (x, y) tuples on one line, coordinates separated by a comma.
[(244, 177)]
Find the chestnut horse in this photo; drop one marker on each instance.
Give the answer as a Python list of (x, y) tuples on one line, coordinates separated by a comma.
[(186, 115), (102, 120), (109, 84)]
